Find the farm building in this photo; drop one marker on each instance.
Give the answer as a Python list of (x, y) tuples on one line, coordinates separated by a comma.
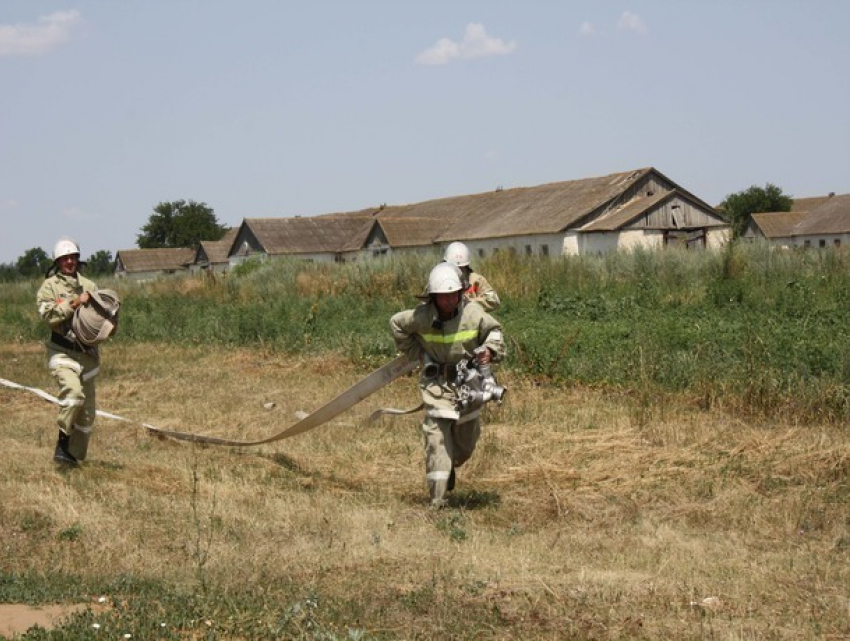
[(145, 264), (622, 211), (319, 238), (212, 255), (638, 208), (812, 222)]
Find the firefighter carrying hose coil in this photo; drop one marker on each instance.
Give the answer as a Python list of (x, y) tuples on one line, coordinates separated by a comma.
[(80, 318)]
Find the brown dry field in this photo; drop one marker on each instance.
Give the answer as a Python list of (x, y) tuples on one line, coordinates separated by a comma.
[(583, 514)]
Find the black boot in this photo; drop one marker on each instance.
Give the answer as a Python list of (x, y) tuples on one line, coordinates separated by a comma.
[(451, 484), (61, 454)]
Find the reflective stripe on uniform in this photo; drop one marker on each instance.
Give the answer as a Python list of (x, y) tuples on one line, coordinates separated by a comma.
[(71, 402), (61, 360), (448, 339), (438, 476), (85, 429), (468, 417)]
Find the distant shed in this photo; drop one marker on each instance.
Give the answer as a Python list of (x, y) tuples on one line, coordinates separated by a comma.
[(147, 264), (821, 222), (212, 255)]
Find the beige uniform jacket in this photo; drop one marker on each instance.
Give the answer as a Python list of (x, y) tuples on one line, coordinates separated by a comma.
[(54, 301), (481, 292), (419, 333)]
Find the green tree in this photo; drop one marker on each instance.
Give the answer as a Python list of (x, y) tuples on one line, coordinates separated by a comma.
[(34, 262), (738, 207), (100, 263), (180, 224)]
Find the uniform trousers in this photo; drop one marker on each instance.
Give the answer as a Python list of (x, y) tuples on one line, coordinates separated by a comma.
[(448, 444), (75, 372)]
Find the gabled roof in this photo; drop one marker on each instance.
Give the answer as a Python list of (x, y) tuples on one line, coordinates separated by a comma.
[(778, 224), (409, 232), (831, 217), (617, 218), (146, 260), (217, 251), (308, 235), (546, 209)]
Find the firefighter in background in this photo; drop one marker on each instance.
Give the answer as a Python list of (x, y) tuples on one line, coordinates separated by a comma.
[(476, 288), (442, 332), (72, 364)]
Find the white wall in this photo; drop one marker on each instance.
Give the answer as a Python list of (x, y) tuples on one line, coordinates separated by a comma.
[(598, 242), (531, 245), (631, 239), (150, 275), (717, 238), (814, 241), (570, 244), (605, 242)]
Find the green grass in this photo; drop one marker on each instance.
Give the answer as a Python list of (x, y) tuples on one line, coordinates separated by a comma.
[(752, 329), (156, 610)]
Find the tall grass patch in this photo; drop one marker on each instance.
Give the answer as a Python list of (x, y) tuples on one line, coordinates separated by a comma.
[(748, 329)]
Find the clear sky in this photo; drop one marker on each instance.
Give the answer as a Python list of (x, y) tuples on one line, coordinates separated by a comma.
[(265, 108)]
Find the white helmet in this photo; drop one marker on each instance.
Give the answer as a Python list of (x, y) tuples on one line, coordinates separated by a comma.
[(65, 247), (457, 254), (444, 279)]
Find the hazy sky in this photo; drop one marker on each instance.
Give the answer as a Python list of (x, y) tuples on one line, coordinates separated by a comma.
[(263, 108)]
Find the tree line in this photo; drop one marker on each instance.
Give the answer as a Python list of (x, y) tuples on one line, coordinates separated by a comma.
[(179, 223)]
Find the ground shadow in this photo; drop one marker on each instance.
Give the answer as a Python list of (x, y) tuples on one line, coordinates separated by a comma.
[(474, 500)]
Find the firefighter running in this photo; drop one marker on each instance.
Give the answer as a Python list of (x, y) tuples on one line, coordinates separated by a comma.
[(443, 332)]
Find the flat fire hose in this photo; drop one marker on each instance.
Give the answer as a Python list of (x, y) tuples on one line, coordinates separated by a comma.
[(372, 383), (391, 411)]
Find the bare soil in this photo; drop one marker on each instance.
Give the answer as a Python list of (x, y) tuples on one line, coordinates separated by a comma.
[(18, 618)]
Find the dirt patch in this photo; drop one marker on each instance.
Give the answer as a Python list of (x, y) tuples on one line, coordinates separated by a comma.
[(16, 618)]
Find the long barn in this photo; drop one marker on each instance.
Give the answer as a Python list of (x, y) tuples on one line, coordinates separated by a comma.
[(622, 211)]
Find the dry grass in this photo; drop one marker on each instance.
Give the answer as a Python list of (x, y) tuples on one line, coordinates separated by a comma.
[(578, 516)]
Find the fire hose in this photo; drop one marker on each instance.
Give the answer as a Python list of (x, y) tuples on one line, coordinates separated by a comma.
[(381, 377)]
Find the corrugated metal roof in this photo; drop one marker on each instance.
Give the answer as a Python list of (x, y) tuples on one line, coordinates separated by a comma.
[(144, 260), (808, 204), (544, 209), (308, 235), (410, 232), (831, 217), (615, 219), (778, 224), (218, 250)]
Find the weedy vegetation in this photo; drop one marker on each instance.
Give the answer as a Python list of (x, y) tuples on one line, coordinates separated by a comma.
[(671, 460)]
